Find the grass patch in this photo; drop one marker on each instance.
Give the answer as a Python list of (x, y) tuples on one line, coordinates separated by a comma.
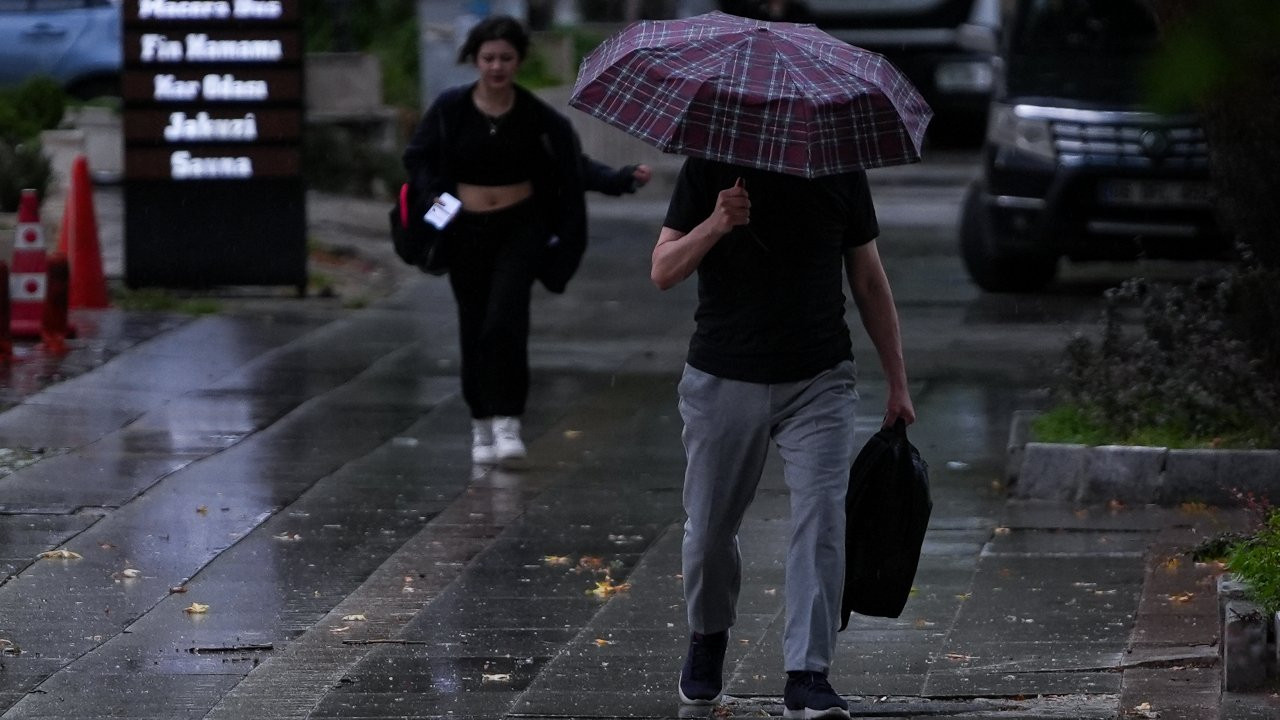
[(1074, 424), (158, 300), (1257, 562)]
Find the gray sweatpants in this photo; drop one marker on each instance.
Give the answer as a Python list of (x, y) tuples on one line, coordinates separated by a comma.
[(727, 428)]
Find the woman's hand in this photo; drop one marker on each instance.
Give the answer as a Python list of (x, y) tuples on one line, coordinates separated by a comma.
[(641, 175)]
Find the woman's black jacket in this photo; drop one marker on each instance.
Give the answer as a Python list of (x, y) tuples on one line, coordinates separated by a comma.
[(557, 185)]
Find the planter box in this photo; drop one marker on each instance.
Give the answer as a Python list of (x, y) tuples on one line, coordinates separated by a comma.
[(1134, 474), (1249, 648)]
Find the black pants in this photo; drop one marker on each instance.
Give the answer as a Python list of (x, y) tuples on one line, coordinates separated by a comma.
[(493, 258)]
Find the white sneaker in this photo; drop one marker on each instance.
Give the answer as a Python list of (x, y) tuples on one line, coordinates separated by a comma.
[(483, 451), (509, 447)]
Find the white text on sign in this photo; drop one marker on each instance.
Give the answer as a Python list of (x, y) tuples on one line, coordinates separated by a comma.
[(209, 10), (197, 47), (184, 166), (202, 127), (214, 87)]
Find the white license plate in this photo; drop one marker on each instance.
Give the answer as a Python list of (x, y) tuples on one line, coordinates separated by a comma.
[(1153, 193)]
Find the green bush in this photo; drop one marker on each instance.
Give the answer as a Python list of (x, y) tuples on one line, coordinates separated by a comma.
[(1257, 562), (339, 160), (1183, 365), (30, 108), (22, 166)]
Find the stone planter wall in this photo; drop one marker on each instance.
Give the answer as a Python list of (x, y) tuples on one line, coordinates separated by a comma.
[(1136, 475), (1250, 656)]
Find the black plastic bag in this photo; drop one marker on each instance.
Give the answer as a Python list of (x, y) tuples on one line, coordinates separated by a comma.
[(887, 511)]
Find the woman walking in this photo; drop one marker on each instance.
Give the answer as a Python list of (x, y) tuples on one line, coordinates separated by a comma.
[(517, 167)]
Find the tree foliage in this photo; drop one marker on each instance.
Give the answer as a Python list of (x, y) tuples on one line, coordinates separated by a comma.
[(1224, 58)]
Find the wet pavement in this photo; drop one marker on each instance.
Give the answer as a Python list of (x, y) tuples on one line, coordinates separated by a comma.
[(300, 467)]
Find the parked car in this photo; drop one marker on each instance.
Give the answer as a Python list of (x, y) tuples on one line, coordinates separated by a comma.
[(945, 47), (76, 42), (1074, 165)]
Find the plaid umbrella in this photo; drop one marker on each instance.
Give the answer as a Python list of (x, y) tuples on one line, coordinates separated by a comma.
[(779, 96)]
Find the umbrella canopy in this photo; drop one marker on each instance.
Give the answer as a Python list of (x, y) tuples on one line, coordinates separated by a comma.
[(785, 97)]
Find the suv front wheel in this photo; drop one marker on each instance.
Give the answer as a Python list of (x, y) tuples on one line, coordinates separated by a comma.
[(994, 269)]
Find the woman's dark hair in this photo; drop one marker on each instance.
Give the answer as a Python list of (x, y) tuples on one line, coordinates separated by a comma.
[(497, 27)]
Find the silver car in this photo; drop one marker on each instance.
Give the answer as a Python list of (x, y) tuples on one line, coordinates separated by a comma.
[(76, 42)]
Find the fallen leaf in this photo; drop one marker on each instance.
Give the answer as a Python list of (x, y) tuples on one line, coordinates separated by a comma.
[(354, 618), (922, 623), (572, 434), (196, 608), (607, 588), (1002, 531), (1144, 710), (1172, 564), (177, 589), (60, 554), (106, 545), (130, 573), (1115, 506), (203, 510), (588, 562), (1182, 598), (495, 677), (601, 642), (554, 560)]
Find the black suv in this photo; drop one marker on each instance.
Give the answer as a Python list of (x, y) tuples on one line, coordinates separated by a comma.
[(1073, 165)]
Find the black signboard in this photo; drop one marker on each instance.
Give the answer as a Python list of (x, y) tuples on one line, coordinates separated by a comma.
[(213, 119)]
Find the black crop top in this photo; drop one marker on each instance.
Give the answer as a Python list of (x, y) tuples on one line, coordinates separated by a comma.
[(496, 151)]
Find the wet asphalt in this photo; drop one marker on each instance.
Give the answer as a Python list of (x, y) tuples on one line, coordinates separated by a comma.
[(275, 516)]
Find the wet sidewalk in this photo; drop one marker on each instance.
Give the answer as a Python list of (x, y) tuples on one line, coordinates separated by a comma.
[(302, 472)]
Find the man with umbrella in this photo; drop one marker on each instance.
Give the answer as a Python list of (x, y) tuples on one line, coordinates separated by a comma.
[(772, 211)]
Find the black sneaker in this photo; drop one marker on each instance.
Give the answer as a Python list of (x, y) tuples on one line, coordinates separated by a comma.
[(702, 677), (809, 697)]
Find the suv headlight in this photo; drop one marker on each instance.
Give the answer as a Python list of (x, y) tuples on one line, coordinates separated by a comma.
[(1008, 129)]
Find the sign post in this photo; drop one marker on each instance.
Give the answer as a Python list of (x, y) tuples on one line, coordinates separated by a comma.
[(213, 118)]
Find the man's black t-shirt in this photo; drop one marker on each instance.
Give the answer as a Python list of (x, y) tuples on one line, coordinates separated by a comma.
[(771, 293)]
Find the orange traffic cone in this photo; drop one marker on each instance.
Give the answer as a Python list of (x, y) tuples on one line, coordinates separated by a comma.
[(27, 279), (78, 241)]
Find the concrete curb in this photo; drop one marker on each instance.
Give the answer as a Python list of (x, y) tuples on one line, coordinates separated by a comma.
[(1135, 474), (1250, 653)]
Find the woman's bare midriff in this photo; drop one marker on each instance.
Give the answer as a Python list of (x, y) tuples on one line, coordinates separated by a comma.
[(487, 198)]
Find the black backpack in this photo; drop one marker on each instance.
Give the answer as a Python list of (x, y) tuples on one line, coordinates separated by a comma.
[(416, 242)]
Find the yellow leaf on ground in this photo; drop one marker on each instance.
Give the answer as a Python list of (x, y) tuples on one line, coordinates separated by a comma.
[(60, 554), (601, 642), (557, 560), (203, 509), (1181, 598), (607, 588), (196, 608)]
